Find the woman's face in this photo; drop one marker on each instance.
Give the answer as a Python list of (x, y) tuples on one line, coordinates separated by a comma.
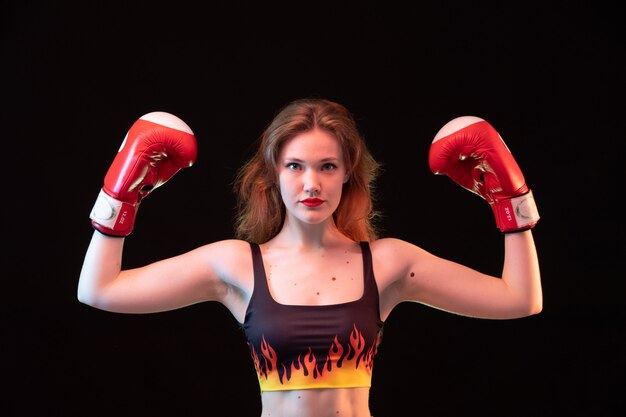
[(311, 174)]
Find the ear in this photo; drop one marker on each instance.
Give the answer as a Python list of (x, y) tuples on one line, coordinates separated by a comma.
[(346, 178)]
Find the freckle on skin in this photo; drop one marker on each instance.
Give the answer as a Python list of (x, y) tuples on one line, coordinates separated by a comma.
[(334, 279), (318, 293), (412, 274)]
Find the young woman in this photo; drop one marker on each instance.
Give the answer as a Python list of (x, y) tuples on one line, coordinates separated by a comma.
[(306, 275)]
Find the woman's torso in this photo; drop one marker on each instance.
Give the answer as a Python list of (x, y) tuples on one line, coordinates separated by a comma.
[(313, 326)]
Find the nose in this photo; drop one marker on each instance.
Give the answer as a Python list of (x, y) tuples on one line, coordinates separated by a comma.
[(311, 183)]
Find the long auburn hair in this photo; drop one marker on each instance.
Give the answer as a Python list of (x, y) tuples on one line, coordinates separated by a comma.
[(260, 209)]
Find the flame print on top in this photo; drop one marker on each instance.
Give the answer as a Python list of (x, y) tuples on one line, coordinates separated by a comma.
[(310, 346), (343, 366)]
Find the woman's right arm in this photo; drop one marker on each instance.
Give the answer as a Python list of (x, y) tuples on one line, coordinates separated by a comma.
[(219, 271), (155, 148), (160, 286)]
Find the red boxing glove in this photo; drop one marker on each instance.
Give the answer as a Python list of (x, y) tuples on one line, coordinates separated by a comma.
[(155, 148), (472, 153)]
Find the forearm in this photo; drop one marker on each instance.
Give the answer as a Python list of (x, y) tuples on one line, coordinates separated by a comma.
[(101, 266), (521, 272)]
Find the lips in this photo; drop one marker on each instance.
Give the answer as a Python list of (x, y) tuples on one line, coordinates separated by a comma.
[(312, 202)]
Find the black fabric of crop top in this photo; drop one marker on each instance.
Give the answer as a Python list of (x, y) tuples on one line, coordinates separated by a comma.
[(313, 346)]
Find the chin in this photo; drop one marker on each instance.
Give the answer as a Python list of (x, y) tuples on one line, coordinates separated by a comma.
[(313, 218)]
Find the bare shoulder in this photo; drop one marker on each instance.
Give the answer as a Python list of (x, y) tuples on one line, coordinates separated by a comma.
[(230, 259), (227, 249), (388, 258), (394, 258), (393, 248)]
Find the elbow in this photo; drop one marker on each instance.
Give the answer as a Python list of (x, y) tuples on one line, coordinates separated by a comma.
[(537, 307), (83, 298), (96, 298), (535, 310), (524, 307), (528, 303), (536, 304), (89, 298), (532, 308)]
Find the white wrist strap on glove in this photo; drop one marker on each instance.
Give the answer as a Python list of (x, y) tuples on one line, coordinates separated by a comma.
[(112, 213), (517, 213)]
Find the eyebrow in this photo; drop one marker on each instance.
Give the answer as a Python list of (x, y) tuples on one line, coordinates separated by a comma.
[(328, 159)]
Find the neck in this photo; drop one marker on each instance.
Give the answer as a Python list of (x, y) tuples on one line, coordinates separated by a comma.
[(309, 236)]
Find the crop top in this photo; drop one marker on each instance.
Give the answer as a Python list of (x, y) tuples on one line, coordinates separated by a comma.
[(297, 347)]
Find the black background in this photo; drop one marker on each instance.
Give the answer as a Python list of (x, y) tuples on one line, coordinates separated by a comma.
[(547, 75)]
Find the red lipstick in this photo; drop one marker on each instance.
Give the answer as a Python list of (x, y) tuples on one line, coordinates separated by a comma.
[(312, 202)]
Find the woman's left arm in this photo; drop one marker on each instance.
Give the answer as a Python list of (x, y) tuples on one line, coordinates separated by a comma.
[(406, 272), (521, 274)]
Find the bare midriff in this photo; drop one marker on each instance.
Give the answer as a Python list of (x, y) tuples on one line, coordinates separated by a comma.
[(324, 402)]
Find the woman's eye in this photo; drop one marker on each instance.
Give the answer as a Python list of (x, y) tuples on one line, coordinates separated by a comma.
[(292, 165), (329, 166)]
